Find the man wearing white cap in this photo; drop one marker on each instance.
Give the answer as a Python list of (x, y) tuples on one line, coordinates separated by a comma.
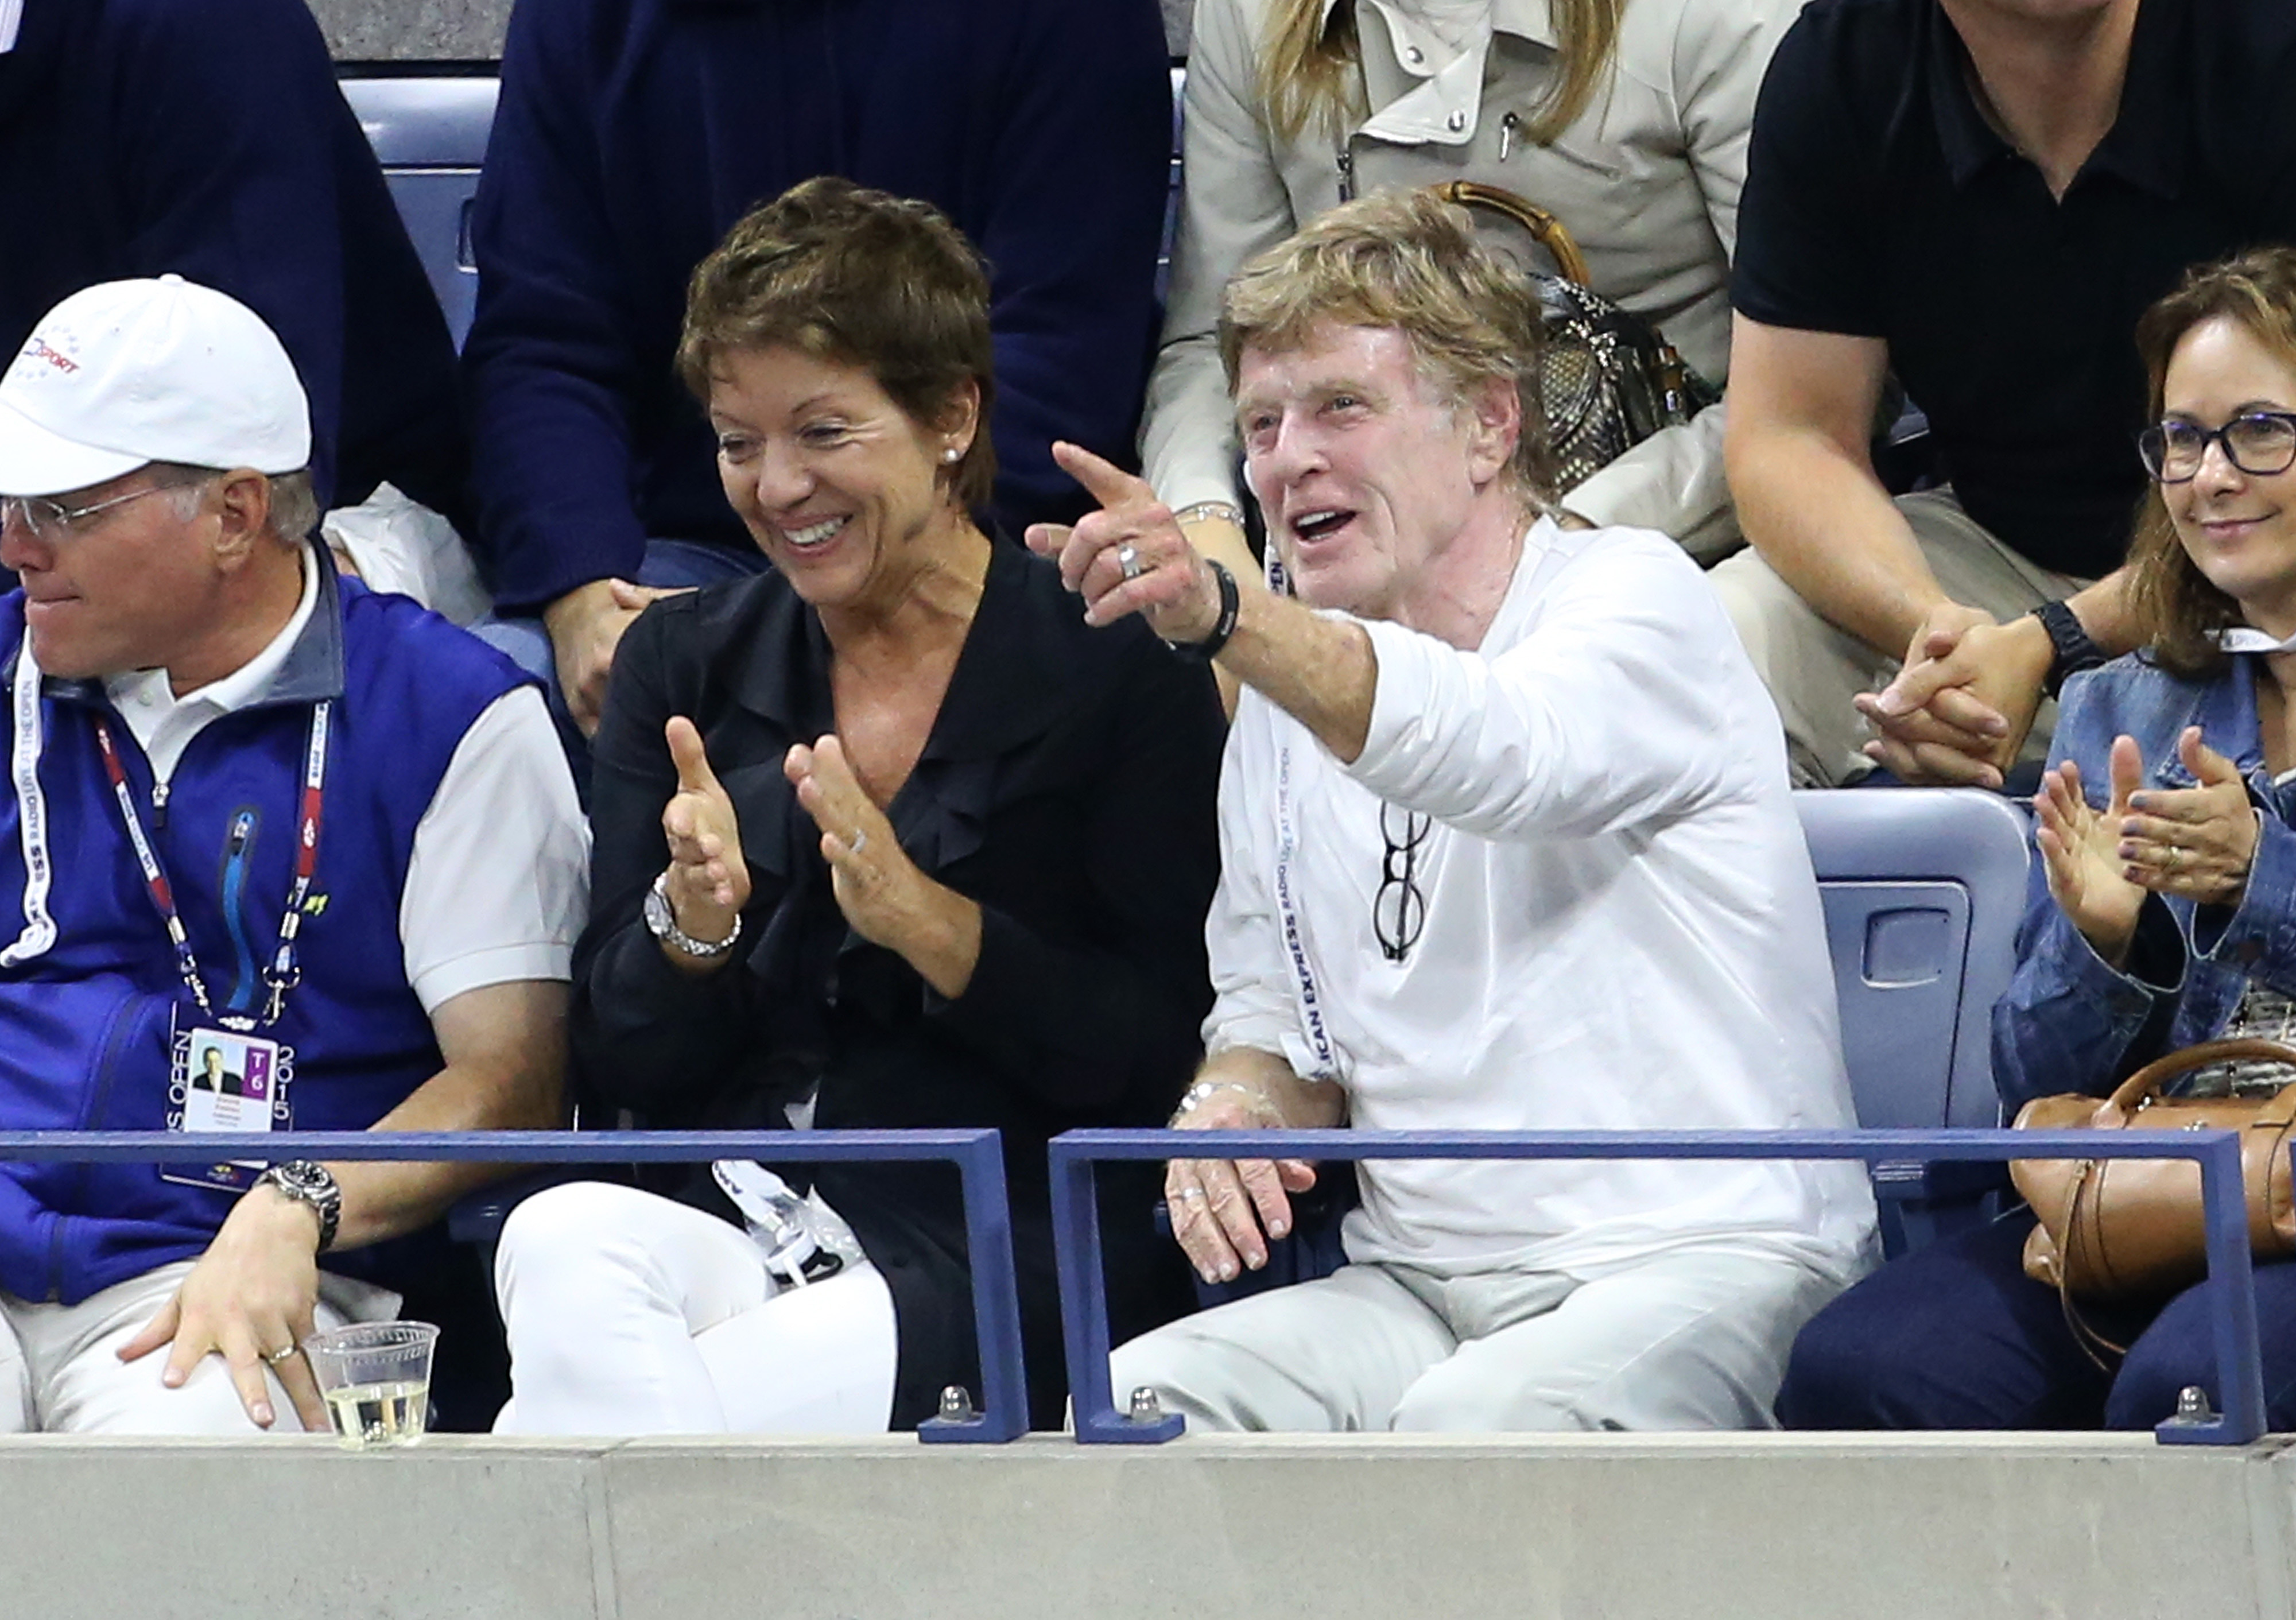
[(254, 808)]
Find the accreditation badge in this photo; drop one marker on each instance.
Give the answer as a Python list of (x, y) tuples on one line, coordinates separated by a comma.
[(225, 1080)]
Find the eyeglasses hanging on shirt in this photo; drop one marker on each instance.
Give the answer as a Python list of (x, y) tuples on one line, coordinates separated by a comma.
[(1398, 911)]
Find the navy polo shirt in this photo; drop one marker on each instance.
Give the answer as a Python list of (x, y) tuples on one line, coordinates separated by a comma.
[(1880, 202)]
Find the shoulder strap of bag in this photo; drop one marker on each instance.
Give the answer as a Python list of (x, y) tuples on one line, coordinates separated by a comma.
[(2149, 1080)]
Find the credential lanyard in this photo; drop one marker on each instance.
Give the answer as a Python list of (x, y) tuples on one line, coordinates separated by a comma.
[(283, 975)]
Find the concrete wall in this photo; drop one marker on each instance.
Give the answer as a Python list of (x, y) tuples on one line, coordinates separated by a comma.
[(471, 30), (1599, 1527)]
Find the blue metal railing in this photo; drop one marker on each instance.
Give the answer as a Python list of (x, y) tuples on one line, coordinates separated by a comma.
[(1084, 1301), (978, 1154)]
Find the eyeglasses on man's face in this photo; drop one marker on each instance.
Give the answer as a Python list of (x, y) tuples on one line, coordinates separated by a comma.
[(2258, 443), (52, 521)]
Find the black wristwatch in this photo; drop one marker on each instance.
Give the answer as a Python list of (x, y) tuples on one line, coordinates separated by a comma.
[(1224, 627), (313, 1184), (2070, 649)]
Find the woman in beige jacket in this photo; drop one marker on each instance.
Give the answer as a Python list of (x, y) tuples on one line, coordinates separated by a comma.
[(1626, 119)]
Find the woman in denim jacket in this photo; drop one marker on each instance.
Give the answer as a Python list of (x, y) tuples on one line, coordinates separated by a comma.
[(2164, 910)]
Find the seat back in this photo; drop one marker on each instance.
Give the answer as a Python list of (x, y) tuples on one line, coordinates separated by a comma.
[(1922, 890), (430, 137)]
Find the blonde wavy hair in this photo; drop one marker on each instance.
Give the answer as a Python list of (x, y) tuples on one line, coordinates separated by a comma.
[(2177, 610), (1308, 71), (1406, 259)]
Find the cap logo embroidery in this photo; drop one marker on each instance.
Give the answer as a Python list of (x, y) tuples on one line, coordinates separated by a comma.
[(38, 350)]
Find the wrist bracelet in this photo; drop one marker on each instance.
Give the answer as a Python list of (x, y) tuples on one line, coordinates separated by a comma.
[(1203, 1091), (1231, 603), (1225, 511), (2071, 649)]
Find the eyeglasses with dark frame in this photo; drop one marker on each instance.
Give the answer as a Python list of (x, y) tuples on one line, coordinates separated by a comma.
[(1398, 911), (52, 521), (2258, 443)]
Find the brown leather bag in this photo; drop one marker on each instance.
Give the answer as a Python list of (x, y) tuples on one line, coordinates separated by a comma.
[(2130, 1230)]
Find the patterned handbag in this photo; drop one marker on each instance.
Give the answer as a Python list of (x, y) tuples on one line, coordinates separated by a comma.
[(1607, 380)]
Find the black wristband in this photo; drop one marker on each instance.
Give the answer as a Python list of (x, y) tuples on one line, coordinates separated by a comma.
[(2071, 650), (1231, 603)]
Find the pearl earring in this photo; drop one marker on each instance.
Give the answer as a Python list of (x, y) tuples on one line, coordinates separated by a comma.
[(950, 454)]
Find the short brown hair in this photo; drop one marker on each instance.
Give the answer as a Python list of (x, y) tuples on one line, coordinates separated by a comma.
[(1409, 260), (861, 279), (2178, 611)]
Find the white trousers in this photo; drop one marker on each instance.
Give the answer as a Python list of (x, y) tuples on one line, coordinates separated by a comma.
[(61, 1371), (1813, 670), (1694, 1339), (629, 1314)]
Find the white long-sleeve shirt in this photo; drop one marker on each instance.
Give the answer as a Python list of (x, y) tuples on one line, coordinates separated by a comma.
[(1622, 930)]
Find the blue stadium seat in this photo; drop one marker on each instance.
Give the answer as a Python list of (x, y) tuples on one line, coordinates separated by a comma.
[(430, 135), (1922, 889)]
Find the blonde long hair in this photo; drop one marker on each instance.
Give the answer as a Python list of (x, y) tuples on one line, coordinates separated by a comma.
[(1307, 72)]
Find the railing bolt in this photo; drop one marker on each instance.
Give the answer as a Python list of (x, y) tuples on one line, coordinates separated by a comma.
[(1145, 1406), (957, 1404), (2193, 1406)]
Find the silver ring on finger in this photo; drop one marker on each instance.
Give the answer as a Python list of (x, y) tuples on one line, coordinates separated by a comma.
[(274, 1357), (1129, 559), (858, 843), (1190, 1194), (2176, 860)]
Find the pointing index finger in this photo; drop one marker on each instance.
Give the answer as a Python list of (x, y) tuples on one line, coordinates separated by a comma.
[(1105, 482)]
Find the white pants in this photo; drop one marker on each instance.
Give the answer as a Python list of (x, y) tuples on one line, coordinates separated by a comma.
[(629, 1314), (61, 1372), (1694, 1339), (1814, 669)]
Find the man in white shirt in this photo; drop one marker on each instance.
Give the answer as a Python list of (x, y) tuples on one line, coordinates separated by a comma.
[(256, 811), (1507, 844)]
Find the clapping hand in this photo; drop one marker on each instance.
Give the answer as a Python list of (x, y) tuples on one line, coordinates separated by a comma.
[(884, 895), (2081, 851), (2197, 842), (708, 881)]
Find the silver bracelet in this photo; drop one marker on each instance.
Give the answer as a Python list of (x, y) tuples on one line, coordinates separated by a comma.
[(1227, 510), (1202, 1091)]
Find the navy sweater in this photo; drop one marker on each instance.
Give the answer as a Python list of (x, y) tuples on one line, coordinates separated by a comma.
[(631, 134), (143, 136)]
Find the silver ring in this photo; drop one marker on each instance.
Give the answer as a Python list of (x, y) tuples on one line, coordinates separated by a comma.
[(858, 843), (274, 1357), (1191, 1193), (2176, 857), (1128, 560)]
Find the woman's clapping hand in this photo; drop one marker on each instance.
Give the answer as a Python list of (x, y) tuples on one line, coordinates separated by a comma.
[(708, 882), (2198, 841), (2195, 841), (2081, 851), (884, 896)]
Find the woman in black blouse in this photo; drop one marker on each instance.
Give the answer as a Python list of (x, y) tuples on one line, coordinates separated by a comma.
[(889, 830)]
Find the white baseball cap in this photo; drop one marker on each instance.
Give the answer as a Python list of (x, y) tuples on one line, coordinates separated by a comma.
[(130, 372)]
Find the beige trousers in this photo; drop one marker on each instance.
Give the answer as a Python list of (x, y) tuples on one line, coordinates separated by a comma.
[(1813, 670), (61, 1372), (1690, 1339)]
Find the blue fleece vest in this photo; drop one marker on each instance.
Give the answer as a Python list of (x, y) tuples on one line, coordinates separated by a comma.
[(84, 1024)]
